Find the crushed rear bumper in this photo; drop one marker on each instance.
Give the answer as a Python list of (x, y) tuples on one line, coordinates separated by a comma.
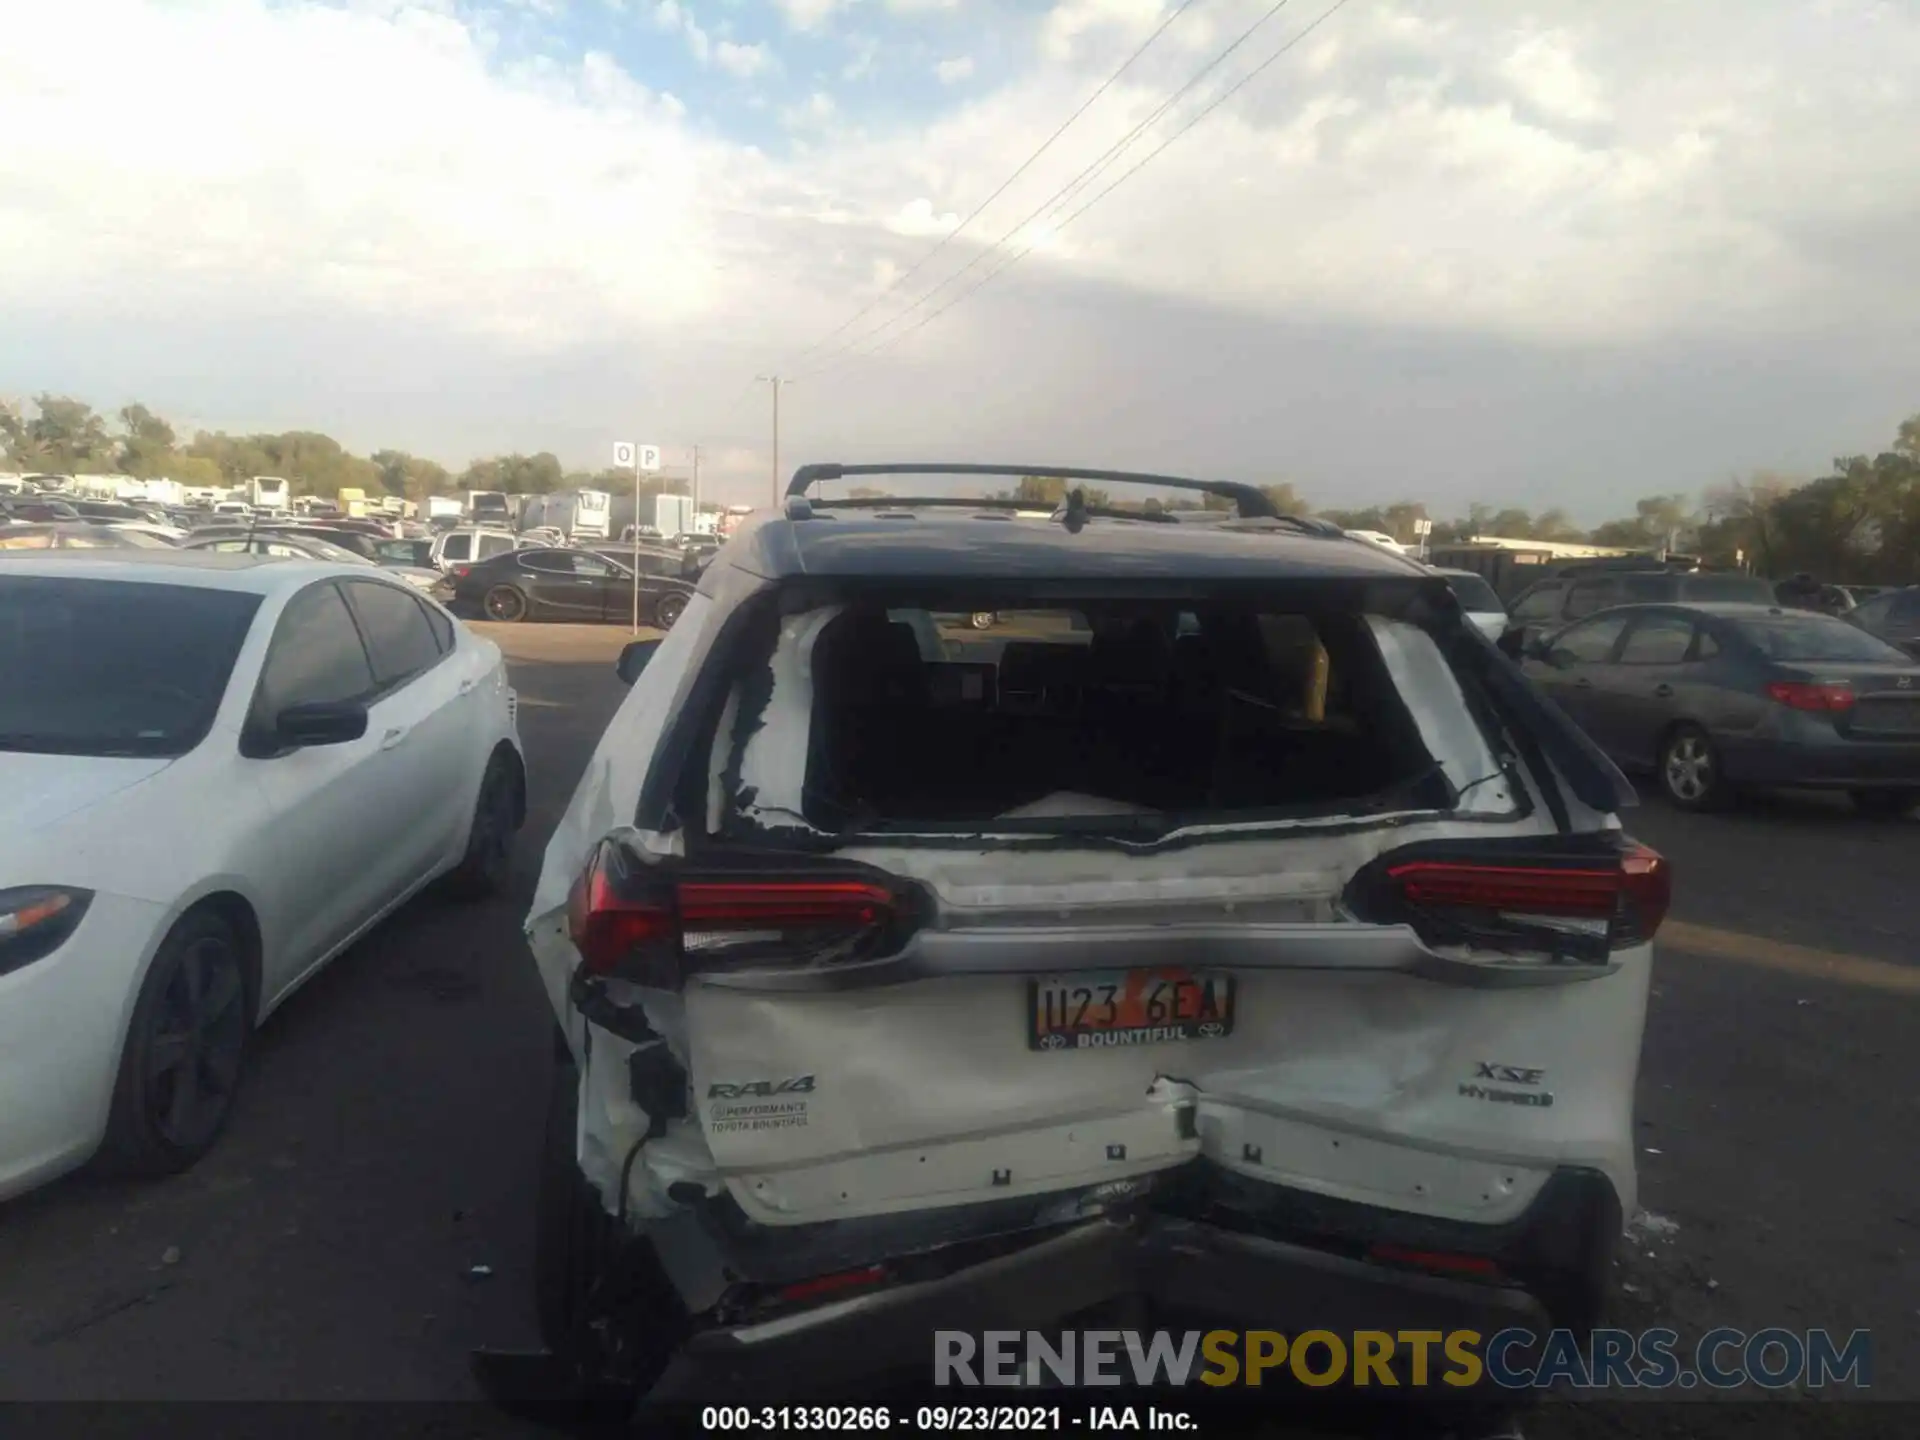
[(1175, 1271)]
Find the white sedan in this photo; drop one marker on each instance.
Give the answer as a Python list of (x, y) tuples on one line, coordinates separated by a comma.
[(216, 773)]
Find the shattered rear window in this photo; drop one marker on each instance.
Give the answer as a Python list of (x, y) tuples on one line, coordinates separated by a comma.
[(1127, 716)]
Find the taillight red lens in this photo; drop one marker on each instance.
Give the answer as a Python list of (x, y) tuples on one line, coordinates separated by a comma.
[(1631, 895), (824, 1285), (460, 572), (653, 928), (783, 905), (1507, 887), (1820, 699), (1439, 1262)]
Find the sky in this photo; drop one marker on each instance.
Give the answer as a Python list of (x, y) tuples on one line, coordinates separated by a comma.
[(1554, 253)]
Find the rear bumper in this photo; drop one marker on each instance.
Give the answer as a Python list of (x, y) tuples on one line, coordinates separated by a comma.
[(1176, 1272), (1840, 765)]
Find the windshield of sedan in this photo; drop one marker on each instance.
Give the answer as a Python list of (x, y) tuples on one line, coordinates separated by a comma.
[(114, 667), (1817, 638)]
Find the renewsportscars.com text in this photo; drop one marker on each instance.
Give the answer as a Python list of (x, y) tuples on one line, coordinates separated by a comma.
[(1724, 1359)]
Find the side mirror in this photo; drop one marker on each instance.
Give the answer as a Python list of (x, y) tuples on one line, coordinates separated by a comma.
[(1513, 642), (634, 658), (322, 722)]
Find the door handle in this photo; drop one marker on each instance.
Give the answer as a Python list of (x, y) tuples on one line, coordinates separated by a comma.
[(466, 685), (1663, 690), (1584, 683), (393, 737)]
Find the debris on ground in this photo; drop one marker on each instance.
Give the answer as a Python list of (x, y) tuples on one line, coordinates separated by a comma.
[(480, 1272), (1646, 1226), (170, 1256)]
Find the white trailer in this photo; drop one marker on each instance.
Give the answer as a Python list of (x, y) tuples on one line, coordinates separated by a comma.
[(267, 492), (673, 514)]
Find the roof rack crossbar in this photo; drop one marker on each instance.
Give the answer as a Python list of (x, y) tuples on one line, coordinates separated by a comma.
[(1249, 500)]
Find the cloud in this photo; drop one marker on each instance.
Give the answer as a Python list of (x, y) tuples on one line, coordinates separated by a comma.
[(808, 14), (920, 7), (1682, 235), (952, 72), (741, 61), (864, 56), (816, 110), (1072, 20)]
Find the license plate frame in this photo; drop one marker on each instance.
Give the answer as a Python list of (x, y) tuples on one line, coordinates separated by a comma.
[(1154, 1001)]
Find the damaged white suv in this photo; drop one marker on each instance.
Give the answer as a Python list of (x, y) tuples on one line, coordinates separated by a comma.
[(1231, 934)]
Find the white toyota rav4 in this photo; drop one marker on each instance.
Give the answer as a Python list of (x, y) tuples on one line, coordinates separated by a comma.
[(1232, 932)]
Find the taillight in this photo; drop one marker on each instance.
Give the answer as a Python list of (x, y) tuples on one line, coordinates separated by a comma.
[(1573, 906), (460, 572), (1434, 1261), (822, 1286), (650, 926), (1820, 699)]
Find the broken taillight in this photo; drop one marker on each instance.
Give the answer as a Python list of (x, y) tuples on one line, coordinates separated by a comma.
[(653, 926), (1578, 904)]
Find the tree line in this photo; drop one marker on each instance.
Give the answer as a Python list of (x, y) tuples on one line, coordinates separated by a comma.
[(1858, 524), (58, 435)]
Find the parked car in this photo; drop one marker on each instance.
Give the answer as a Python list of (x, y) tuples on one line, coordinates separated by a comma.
[(105, 512), (1892, 616), (564, 584), (1713, 699), (166, 534), (77, 535), (414, 553), (360, 744), (288, 544), (469, 545), (37, 510), (1550, 604), (653, 558), (1267, 955), (1476, 597)]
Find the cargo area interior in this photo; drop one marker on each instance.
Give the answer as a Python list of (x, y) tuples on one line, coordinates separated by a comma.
[(1106, 711)]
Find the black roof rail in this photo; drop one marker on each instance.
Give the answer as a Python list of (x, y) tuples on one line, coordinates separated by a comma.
[(1249, 500)]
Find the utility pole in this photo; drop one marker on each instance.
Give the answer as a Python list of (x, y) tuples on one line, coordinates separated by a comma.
[(776, 382), (696, 485)]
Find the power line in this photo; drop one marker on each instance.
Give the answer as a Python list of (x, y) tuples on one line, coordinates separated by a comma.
[(1065, 193), (1005, 185), (1015, 258)]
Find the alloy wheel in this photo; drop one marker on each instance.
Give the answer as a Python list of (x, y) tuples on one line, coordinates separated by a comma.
[(195, 1047)]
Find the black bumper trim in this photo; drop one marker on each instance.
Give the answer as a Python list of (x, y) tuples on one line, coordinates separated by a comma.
[(1169, 1266)]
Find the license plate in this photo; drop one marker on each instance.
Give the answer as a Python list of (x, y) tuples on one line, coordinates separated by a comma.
[(1127, 1007)]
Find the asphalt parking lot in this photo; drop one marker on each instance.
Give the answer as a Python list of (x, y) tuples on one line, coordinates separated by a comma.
[(367, 1221)]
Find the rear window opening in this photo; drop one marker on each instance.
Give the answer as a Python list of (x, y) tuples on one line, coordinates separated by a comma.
[(1126, 717)]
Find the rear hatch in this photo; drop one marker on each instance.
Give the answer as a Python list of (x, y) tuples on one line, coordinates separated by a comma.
[(1295, 879)]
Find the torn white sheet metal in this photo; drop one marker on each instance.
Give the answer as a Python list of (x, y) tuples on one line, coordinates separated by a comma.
[(603, 804), (1426, 682), (773, 764)]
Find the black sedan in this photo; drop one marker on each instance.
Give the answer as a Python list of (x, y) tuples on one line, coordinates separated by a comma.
[(566, 585), (1716, 698)]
